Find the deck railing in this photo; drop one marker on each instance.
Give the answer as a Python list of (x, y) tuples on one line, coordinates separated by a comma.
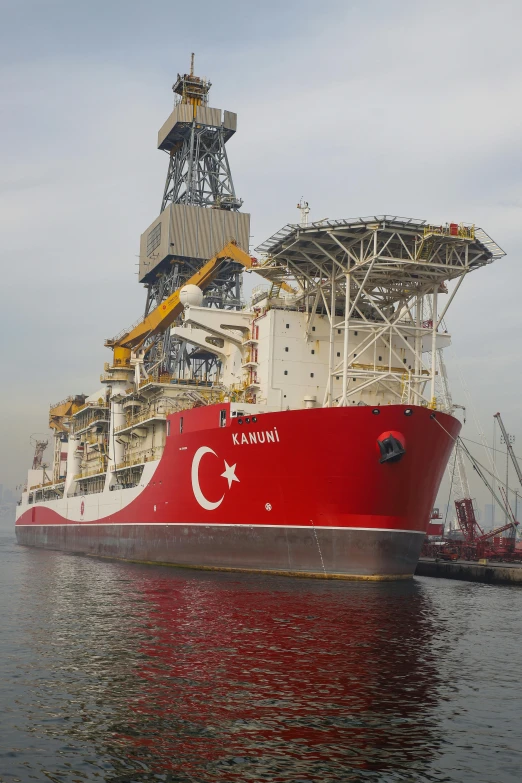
[(100, 469), (140, 457)]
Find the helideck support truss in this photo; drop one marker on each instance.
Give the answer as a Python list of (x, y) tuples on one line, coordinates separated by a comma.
[(372, 278), (197, 212)]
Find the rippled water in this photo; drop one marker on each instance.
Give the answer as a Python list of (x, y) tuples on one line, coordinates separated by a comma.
[(119, 672)]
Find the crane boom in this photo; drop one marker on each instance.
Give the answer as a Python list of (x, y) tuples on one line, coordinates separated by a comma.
[(479, 471), (505, 505), (496, 532), (509, 447), (167, 311), (60, 414)]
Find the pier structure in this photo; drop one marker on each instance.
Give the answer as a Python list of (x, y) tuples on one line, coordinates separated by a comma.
[(486, 571)]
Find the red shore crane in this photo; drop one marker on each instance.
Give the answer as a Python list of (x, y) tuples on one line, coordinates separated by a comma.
[(477, 544)]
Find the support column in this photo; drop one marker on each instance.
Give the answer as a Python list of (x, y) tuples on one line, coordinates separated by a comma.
[(74, 459), (344, 400), (433, 402), (117, 418), (418, 349), (332, 343)]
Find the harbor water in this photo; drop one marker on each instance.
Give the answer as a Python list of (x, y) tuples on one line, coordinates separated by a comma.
[(120, 672)]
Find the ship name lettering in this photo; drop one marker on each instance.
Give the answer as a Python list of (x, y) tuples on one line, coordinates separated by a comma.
[(263, 436)]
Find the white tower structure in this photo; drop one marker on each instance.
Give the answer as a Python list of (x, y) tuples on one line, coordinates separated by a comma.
[(304, 210)]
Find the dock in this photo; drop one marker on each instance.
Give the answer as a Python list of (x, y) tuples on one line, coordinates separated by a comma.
[(489, 572)]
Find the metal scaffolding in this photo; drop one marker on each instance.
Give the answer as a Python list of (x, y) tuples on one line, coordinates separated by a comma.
[(199, 175), (371, 278)]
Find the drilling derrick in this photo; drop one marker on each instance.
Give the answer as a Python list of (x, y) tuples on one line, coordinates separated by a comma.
[(199, 215), (195, 138)]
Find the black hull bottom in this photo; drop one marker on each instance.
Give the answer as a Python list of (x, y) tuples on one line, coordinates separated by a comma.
[(321, 552)]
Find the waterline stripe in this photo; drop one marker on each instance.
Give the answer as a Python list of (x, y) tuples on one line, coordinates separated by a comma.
[(219, 524)]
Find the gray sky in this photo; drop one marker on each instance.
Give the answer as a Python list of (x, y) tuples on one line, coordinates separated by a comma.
[(361, 106)]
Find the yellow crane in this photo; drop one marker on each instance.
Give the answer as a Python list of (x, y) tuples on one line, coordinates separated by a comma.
[(60, 414), (166, 313), (155, 323)]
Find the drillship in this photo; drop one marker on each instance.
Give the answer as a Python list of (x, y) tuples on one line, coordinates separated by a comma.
[(302, 433)]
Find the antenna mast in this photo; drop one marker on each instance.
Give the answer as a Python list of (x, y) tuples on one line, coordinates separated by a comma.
[(304, 209)]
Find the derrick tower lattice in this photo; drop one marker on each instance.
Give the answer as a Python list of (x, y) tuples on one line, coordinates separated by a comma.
[(199, 172), (199, 216)]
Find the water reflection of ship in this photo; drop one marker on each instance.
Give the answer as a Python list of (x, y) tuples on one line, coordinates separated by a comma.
[(201, 677), (251, 677)]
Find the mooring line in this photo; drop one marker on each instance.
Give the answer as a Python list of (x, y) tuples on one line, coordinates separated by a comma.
[(318, 546)]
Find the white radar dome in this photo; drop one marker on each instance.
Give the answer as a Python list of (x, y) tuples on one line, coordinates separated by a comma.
[(191, 295)]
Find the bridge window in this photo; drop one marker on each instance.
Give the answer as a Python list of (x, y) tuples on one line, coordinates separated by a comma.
[(154, 239)]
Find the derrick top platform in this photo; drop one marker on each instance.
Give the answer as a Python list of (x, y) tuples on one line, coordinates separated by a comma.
[(192, 109)]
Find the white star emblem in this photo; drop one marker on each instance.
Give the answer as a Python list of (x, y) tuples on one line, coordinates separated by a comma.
[(230, 473)]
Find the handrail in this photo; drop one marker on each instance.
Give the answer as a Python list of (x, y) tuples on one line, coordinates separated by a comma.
[(99, 471), (46, 485), (138, 419), (78, 426), (453, 230), (140, 457), (91, 405), (175, 379), (70, 398)]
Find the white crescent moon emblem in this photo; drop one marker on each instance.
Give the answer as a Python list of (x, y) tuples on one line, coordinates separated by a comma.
[(198, 494)]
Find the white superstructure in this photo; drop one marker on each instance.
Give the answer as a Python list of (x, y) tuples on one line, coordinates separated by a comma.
[(339, 321)]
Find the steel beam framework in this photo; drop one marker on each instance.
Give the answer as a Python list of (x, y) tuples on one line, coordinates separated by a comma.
[(373, 276), (199, 172), (165, 354), (199, 175)]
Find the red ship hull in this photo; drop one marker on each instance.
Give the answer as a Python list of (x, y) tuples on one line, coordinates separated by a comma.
[(301, 492)]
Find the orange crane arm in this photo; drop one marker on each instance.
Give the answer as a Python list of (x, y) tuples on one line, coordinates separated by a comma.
[(60, 414), (166, 313)]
